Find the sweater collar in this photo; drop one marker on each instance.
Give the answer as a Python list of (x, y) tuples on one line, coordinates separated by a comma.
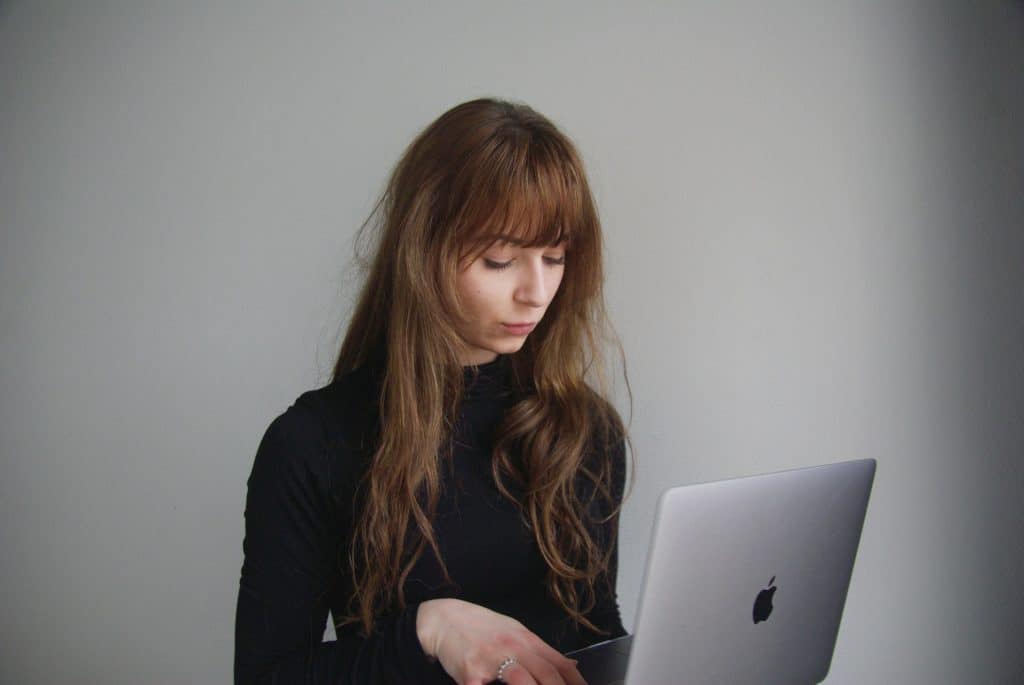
[(487, 380)]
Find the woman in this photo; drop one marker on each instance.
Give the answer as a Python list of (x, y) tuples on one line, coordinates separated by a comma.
[(452, 496)]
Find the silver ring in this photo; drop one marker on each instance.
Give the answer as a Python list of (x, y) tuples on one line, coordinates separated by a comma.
[(509, 660)]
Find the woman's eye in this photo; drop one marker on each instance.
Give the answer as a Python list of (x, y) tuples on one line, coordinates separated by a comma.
[(491, 264), (551, 261)]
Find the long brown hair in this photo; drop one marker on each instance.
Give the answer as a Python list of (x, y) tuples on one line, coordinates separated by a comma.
[(484, 169)]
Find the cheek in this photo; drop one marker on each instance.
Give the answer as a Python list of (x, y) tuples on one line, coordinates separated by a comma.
[(487, 299), (476, 294), (556, 283)]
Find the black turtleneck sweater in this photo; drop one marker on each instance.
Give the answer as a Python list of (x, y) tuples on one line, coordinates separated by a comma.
[(298, 525)]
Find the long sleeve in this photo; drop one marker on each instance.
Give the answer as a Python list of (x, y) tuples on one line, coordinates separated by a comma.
[(292, 569)]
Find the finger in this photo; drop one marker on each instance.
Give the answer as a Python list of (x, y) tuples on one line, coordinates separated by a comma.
[(517, 674), (543, 671), (572, 674), (550, 653), (570, 670), (566, 667)]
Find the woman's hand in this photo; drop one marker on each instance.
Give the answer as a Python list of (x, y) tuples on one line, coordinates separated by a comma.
[(472, 641)]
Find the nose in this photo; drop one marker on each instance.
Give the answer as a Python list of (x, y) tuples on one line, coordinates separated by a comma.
[(532, 289)]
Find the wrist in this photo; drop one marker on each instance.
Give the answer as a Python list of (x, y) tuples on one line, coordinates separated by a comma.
[(426, 626)]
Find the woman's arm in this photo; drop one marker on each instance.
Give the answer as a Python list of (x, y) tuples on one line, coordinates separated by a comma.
[(471, 642), (291, 567)]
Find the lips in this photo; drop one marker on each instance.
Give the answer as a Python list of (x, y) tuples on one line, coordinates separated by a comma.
[(519, 328)]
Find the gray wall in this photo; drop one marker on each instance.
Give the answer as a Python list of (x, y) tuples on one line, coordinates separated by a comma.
[(813, 220)]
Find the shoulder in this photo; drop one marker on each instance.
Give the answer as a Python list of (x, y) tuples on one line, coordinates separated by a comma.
[(324, 433)]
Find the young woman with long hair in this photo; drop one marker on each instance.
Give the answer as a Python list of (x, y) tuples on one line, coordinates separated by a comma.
[(452, 496)]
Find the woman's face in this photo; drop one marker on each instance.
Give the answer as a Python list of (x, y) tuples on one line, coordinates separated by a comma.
[(506, 287)]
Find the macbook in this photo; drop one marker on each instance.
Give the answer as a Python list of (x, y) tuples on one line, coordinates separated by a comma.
[(745, 581)]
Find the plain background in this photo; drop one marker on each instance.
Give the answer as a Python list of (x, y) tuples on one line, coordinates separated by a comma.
[(813, 222)]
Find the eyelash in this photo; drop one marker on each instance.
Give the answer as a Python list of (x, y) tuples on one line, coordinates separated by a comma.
[(498, 266)]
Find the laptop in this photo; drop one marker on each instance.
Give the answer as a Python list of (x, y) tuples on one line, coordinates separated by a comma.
[(745, 581)]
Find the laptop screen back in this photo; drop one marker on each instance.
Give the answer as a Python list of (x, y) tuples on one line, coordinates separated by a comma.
[(746, 578)]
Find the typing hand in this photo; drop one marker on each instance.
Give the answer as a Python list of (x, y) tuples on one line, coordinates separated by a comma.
[(472, 642)]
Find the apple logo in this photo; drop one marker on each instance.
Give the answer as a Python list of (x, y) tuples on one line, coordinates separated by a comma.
[(763, 603)]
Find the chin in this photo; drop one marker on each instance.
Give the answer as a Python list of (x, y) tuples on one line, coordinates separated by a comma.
[(506, 347)]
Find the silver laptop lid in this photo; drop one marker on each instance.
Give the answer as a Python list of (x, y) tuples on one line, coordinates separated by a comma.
[(746, 578)]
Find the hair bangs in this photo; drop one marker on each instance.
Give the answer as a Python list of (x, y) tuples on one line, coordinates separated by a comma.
[(533, 199)]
